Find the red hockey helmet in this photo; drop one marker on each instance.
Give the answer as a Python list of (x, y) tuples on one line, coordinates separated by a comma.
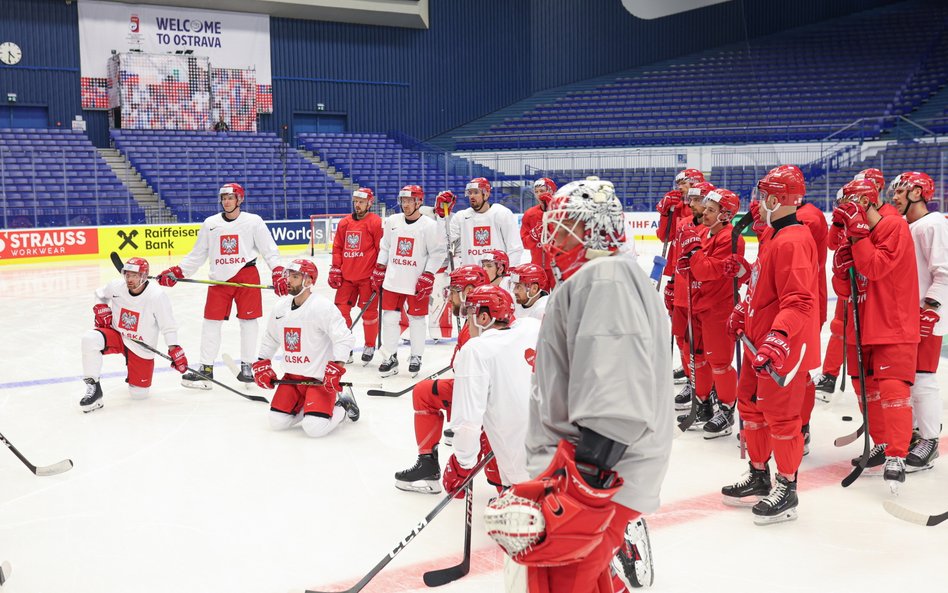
[(138, 265), (858, 188), (412, 191), (785, 183), (469, 275), (496, 300), (729, 202), (912, 179), (700, 189), (544, 186), (528, 274), (365, 193), (232, 188), (691, 176), (498, 258), (873, 175), (304, 267), (480, 183)]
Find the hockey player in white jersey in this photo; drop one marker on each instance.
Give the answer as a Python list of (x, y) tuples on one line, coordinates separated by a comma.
[(601, 421), (316, 341), (411, 252), (497, 265), (481, 227), (530, 290), (129, 309), (230, 242), (492, 388)]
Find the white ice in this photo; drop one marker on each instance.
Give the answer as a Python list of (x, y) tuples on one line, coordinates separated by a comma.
[(189, 491)]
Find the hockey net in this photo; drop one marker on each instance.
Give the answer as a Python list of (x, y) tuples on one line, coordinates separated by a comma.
[(322, 228)]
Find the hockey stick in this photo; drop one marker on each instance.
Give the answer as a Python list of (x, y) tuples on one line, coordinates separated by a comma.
[(447, 243), (842, 382), (849, 438), (232, 365), (119, 264), (364, 309), (900, 512), (381, 393), (736, 232), (688, 420), (45, 470), (443, 576), (415, 531), (780, 380), (659, 262), (857, 329), (256, 398)]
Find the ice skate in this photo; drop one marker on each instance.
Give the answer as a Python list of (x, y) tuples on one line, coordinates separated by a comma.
[(633, 562), (922, 455), (825, 387), (389, 367), (194, 381), (346, 399), (246, 374), (414, 365), (721, 424), (683, 399), (875, 463), (703, 414), (680, 376), (424, 476), (747, 492), (368, 353), (92, 400), (894, 473), (779, 506)]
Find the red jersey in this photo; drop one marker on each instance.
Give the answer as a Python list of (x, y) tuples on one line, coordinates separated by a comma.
[(714, 290), (463, 337), (355, 246), (885, 263), (815, 221), (681, 283), (531, 229), (888, 209), (681, 214), (783, 292)]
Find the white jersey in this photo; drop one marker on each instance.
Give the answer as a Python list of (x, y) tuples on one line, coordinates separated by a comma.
[(930, 234), (310, 335), (534, 311), (492, 389), (408, 250), (230, 245), (507, 285), (603, 363), (141, 317), (480, 232)]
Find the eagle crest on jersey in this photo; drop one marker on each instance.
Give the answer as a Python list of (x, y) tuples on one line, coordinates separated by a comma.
[(481, 236), (128, 320), (229, 244), (291, 339), (353, 240), (406, 246)]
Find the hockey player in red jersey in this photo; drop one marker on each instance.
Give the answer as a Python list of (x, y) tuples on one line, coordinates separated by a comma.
[(600, 429), (431, 398), (780, 316), (910, 193), (878, 180), (355, 247), (881, 250), (709, 262), (129, 309), (531, 225)]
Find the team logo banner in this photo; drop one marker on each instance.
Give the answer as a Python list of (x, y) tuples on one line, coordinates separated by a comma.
[(230, 40)]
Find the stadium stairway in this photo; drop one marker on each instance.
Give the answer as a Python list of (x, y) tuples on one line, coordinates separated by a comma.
[(156, 211)]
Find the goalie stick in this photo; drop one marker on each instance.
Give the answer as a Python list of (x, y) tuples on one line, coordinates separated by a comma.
[(857, 330), (443, 576), (234, 368), (414, 532), (119, 264), (45, 470), (382, 393), (900, 512), (255, 398)]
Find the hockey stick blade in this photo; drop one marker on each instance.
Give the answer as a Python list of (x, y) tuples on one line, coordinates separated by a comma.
[(849, 438), (382, 393), (688, 420), (443, 576), (900, 512), (47, 470)]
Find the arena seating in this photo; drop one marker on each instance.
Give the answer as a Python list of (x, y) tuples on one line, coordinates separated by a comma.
[(187, 168), (57, 178)]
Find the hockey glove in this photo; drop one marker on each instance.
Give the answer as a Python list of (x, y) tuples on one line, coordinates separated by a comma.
[(491, 471), (853, 217), (263, 374), (836, 237), (774, 350), (759, 226), (170, 276), (536, 233), (280, 285), (669, 294), (332, 375), (671, 200), (103, 315), (842, 261), (424, 285), (178, 360), (927, 322), (453, 475), (444, 203), (335, 278), (378, 277), (735, 322), (736, 266)]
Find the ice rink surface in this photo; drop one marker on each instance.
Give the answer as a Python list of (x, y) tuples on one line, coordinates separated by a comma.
[(190, 491)]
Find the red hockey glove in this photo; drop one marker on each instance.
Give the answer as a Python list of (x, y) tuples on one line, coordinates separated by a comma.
[(927, 322), (671, 200), (280, 285), (103, 315), (491, 471), (179, 361), (424, 285), (842, 261), (736, 266), (758, 226), (555, 519), (444, 203), (853, 217), (774, 350), (332, 375), (689, 241), (263, 374), (170, 276), (836, 237), (536, 233), (669, 294), (335, 277), (378, 277), (735, 322), (453, 475)]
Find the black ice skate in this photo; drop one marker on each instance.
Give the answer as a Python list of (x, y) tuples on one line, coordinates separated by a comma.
[(825, 387), (705, 411), (748, 491), (424, 476), (633, 562), (805, 430), (92, 400), (367, 354), (894, 473), (389, 367), (350, 359), (683, 399), (680, 376), (414, 365), (720, 425), (346, 400), (875, 463), (922, 455), (780, 505), (194, 381), (246, 373)]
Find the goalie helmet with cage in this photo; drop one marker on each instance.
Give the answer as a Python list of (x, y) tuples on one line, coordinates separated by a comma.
[(496, 300), (302, 266)]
